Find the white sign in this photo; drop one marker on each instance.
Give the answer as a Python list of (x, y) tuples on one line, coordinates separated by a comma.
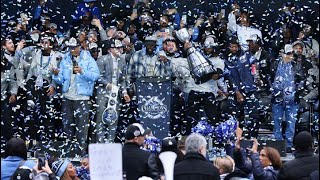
[(105, 161)]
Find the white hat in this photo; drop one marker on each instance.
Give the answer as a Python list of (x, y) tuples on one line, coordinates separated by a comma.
[(93, 45), (118, 43), (288, 48), (53, 26), (73, 42), (209, 42), (298, 42), (150, 38)]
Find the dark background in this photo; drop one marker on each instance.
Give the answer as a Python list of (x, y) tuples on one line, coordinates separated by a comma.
[(265, 11)]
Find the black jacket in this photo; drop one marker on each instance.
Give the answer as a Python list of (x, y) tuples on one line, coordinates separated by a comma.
[(301, 167), (195, 167), (135, 161)]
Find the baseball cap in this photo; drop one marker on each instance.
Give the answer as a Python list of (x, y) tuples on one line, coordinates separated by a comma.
[(298, 42), (210, 42), (112, 43), (288, 48), (92, 32), (169, 39), (253, 37), (73, 42), (53, 26), (93, 45), (169, 144), (233, 40), (150, 40), (134, 130)]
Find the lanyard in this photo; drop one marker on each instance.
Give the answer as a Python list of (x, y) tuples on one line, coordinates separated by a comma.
[(46, 64)]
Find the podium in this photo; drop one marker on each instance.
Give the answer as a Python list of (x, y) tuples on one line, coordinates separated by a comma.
[(154, 104)]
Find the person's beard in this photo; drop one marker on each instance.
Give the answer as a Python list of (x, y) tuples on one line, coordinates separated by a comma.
[(170, 54), (150, 51)]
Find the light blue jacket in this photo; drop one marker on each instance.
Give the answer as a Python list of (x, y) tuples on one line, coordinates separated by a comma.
[(85, 81), (11, 163)]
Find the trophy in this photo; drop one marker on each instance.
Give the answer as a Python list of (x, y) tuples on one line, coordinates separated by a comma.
[(200, 68), (111, 112)]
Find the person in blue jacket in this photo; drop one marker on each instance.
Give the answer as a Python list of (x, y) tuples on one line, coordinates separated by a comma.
[(87, 6), (77, 74), (242, 75), (15, 156)]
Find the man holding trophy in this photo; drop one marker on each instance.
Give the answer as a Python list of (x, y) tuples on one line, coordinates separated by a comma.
[(112, 81), (201, 86)]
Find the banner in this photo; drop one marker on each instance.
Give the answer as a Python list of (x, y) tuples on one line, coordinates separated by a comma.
[(154, 101)]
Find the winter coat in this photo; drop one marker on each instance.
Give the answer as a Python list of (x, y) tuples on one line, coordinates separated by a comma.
[(239, 72), (195, 166), (135, 161), (254, 168), (85, 81), (11, 163), (300, 73), (300, 168), (259, 172)]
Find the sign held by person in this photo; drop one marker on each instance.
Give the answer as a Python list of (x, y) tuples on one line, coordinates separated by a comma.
[(105, 161)]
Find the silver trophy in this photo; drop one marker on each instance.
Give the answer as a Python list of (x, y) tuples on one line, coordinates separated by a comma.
[(201, 68)]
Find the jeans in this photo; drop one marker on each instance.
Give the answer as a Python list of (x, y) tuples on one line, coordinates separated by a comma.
[(290, 112), (75, 120)]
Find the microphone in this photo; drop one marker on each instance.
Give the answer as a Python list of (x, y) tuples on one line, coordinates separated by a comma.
[(74, 64)]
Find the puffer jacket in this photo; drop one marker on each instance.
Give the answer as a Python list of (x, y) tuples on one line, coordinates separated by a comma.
[(85, 81)]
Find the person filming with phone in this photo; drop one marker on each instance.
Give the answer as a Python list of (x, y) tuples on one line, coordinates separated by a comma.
[(260, 165)]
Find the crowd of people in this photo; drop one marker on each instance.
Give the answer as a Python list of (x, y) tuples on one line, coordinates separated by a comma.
[(79, 84), (191, 161)]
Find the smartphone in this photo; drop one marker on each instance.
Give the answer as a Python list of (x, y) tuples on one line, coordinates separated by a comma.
[(246, 144), (74, 64), (41, 161)]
